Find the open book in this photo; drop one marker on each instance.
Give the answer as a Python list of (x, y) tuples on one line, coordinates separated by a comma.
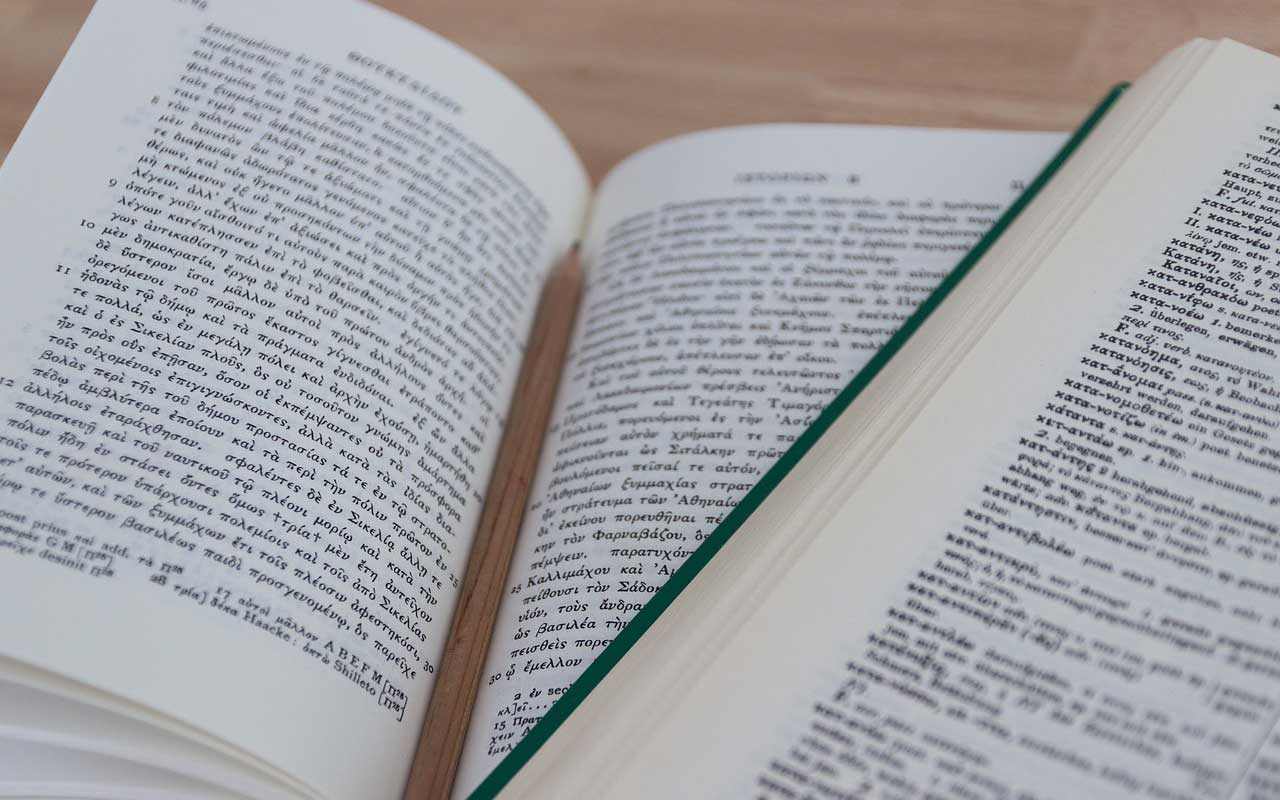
[(1036, 556), (273, 268)]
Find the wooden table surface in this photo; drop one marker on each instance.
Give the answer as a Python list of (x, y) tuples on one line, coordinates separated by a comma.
[(620, 74)]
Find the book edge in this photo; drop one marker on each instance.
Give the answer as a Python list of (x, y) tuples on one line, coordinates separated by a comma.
[(507, 768)]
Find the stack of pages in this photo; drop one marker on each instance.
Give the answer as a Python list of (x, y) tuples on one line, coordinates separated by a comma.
[(818, 513)]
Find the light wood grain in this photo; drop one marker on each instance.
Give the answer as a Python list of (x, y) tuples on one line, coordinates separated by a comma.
[(618, 75), (461, 669)]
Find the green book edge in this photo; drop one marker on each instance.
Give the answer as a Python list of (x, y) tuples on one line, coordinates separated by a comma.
[(646, 616)]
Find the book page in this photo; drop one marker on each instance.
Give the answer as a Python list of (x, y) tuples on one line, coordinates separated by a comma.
[(736, 280), (1060, 580), (271, 270)]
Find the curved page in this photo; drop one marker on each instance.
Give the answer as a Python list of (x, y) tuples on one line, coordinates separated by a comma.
[(270, 266), (736, 280)]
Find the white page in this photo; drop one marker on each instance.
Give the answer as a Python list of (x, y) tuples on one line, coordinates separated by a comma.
[(30, 771), (270, 270), (736, 281), (36, 717)]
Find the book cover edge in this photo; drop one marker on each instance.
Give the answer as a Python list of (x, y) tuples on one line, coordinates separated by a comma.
[(507, 768)]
